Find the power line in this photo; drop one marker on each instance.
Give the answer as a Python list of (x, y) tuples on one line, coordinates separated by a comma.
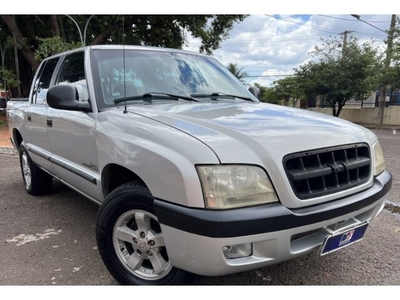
[(295, 38), (288, 40), (283, 39), (338, 18), (302, 24), (268, 75), (332, 17), (258, 66)]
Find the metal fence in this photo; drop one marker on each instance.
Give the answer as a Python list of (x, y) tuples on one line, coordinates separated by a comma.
[(392, 99)]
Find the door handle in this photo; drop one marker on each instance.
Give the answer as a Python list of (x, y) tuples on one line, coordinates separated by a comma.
[(29, 117), (49, 122)]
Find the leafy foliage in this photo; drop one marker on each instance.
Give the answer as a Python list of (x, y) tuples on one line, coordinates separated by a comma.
[(341, 74), (267, 94), (214, 30), (289, 88), (9, 76), (154, 30), (236, 71), (59, 32), (53, 45)]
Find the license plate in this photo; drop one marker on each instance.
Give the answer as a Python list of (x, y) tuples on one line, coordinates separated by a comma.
[(337, 241)]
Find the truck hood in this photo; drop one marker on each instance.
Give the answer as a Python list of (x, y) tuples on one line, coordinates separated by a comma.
[(249, 132), (259, 134)]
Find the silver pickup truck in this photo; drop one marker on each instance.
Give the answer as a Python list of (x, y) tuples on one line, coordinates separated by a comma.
[(192, 173)]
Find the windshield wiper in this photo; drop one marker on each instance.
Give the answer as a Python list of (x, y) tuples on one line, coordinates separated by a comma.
[(216, 95), (154, 95)]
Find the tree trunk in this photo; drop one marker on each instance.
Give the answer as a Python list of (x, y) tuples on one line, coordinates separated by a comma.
[(27, 52), (62, 30), (16, 61), (102, 37), (341, 104), (333, 105), (3, 54), (339, 109), (39, 19), (54, 25)]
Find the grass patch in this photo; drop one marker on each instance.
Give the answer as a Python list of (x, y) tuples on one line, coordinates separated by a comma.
[(3, 123)]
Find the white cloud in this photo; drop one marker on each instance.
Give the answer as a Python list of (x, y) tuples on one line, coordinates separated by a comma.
[(269, 45)]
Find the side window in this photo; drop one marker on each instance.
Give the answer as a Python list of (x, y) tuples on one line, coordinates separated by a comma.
[(43, 81), (73, 72)]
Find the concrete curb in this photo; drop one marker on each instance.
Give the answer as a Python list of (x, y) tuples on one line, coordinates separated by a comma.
[(8, 151)]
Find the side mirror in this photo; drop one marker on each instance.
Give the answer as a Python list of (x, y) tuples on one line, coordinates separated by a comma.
[(255, 91), (66, 97)]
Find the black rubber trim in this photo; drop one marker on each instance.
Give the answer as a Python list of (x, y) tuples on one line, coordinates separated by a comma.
[(78, 172), (60, 163), (266, 218), (38, 152)]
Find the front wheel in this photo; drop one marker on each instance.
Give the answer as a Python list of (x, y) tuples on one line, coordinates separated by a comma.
[(130, 239)]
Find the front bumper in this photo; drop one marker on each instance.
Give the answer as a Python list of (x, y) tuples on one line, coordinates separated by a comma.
[(194, 238)]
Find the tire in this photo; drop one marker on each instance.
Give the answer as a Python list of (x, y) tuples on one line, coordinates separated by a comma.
[(130, 240), (37, 182)]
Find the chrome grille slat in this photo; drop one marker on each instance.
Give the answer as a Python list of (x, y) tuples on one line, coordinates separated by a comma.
[(325, 171)]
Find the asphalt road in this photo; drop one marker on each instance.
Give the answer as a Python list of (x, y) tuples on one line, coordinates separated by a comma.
[(50, 240)]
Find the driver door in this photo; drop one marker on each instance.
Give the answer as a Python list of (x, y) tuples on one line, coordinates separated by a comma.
[(72, 134)]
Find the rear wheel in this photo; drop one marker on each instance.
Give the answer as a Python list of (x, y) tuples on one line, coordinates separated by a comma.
[(130, 239), (36, 181)]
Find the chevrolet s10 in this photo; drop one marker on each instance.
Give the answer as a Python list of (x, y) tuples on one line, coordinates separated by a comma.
[(192, 173)]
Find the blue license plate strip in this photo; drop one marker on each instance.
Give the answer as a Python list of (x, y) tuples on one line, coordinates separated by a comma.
[(340, 240)]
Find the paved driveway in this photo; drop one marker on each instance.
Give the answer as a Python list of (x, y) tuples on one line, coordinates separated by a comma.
[(50, 240)]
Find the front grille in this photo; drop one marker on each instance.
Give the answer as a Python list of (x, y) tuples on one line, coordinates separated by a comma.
[(325, 171)]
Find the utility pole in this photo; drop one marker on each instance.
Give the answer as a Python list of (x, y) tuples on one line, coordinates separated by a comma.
[(382, 98), (344, 47)]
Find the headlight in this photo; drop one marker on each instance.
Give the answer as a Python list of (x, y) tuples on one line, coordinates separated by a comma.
[(231, 186), (379, 165)]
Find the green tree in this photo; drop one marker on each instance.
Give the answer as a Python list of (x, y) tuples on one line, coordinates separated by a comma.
[(267, 94), (340, 75), (9, 77), (289, 88), (151, 30), (238, 72), (51, 46)]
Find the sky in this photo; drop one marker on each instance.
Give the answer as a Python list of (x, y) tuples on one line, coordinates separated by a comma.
[(276, 37), (269, 46)]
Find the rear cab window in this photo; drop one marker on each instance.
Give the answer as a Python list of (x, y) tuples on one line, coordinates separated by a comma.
[(43, 81)]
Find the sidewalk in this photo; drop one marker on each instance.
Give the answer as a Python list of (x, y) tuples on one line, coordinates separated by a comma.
[(5, 145)]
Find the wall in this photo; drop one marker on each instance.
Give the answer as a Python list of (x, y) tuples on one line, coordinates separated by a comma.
[(366, 115)]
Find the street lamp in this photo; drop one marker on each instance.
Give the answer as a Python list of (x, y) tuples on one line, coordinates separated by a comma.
[(358, 17), (382, 97), (83, 39)]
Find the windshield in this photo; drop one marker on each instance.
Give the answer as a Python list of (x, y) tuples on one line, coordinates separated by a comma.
[(137, 72)]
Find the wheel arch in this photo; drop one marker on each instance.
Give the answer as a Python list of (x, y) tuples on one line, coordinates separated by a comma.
[(115, 175), (17, 139)]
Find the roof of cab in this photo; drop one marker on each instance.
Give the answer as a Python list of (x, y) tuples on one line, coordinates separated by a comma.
[(125, 47)]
